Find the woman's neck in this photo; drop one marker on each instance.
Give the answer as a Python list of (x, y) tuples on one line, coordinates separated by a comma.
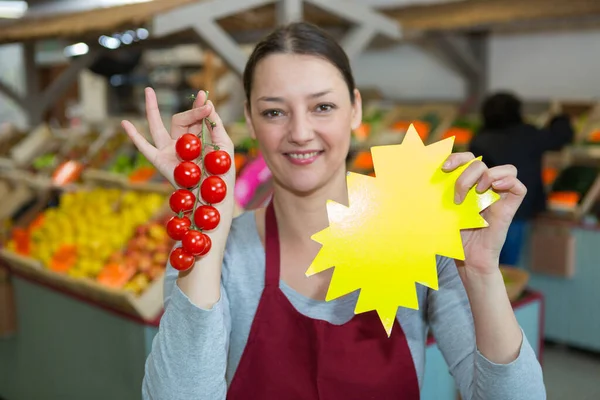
[(299, 217)]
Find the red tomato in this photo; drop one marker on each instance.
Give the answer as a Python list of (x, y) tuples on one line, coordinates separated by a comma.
[(194, 242), (206, 217), (207, 245), (181, 259), (178, 227), (188, 147), (213, 190), (217, 162), (182, 200), (187, 174)]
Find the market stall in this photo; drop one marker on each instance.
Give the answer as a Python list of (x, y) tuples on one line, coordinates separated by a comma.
[(98, 314)]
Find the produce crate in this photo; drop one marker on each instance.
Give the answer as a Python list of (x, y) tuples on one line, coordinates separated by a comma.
[(143, 303), (515, 280), (36, 143), (9, 137), (147, 305), (14, 196)]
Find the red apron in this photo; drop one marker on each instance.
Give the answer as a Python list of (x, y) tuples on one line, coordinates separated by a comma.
[(290, 356)]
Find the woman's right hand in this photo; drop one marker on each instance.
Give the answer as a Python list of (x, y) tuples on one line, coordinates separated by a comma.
[(164, 158)]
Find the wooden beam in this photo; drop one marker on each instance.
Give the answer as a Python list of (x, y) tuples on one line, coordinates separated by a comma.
[(479, 14), (357, 40), (11, 94), (58, 87), (289, 11), (219, 41), (187, 16), (32, 79), (459, 52), (361, 15)]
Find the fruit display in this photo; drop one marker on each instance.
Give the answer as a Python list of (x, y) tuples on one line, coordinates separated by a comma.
[(86, 228), (143, 260), (133, 165), (109, 148), (195, 212)]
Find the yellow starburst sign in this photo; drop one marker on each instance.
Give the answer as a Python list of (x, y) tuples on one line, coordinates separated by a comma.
[(387, 240)]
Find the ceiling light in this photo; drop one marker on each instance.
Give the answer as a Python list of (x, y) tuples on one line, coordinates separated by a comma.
[(142, 33), (77, 49), (109, 42), (127, 38), (12, 9)]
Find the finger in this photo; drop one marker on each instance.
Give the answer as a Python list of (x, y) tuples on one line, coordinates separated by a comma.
[(184, 121), (495, 174), (455, 160), (140, 141), (159, 133), (218, 134), (201, 98), (467, 179), (189, 121), (510, 184)]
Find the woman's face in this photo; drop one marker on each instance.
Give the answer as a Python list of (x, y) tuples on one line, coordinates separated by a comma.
[(302, 116)]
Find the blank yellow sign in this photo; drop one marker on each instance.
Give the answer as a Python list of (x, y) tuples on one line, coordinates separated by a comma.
[(387, 240)]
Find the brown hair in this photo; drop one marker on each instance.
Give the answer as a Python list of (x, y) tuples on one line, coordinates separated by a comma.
[(299, 38)]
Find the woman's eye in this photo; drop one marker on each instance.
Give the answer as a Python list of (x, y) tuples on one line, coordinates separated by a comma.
[(325, 107), (272, 113)]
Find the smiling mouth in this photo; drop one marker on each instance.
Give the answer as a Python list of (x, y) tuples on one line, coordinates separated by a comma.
[(303, 156)]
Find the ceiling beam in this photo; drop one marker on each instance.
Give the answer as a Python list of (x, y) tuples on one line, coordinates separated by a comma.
[(471, 14)]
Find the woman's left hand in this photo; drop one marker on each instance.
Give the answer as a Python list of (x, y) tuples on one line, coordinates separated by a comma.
[(482, 246)]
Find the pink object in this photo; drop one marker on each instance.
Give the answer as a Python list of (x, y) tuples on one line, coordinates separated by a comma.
[(253, 175)]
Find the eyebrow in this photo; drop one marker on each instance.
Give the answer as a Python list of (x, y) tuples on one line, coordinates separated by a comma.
[(281, 100)]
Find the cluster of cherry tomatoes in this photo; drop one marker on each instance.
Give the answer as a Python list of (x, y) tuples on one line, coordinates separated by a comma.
[(195, 213)]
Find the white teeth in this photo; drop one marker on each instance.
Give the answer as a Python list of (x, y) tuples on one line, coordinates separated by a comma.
[(304, 156)]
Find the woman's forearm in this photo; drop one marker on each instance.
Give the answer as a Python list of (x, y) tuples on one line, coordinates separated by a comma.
[(202, 283), (497, 331)]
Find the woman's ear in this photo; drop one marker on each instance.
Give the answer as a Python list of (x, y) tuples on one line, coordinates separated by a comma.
[(248, 116), (356, 110)]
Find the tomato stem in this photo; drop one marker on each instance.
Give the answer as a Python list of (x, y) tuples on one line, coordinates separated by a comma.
[(201, 165)]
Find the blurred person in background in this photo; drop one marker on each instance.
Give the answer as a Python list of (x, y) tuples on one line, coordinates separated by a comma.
[(505, 138)]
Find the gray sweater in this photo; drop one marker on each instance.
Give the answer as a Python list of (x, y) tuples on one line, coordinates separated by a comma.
[(196, 351)]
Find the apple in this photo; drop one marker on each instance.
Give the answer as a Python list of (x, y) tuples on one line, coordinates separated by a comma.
[(160, 258), (144, 263), (156, 271)]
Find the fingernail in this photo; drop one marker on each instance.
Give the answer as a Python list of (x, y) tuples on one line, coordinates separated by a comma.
[(457, 198), (446, 165), (498, 183)]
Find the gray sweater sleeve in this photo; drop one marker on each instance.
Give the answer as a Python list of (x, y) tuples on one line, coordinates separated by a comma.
[(189, 353), (477, 378)]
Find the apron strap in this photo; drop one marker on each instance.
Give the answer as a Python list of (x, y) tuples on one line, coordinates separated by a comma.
[(272, 258)]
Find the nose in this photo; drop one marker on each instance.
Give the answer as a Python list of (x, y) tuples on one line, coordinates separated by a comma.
[(300, 129)]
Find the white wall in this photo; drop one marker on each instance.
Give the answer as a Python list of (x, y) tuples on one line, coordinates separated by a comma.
[(550, 65), (11, 73), (407, 72)]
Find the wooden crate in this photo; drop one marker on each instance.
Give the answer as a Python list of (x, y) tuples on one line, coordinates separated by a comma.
[(8, 320), (148, 305), (98, 177)]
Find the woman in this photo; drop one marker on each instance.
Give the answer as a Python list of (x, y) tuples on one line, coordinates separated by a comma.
[(245, 322)]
